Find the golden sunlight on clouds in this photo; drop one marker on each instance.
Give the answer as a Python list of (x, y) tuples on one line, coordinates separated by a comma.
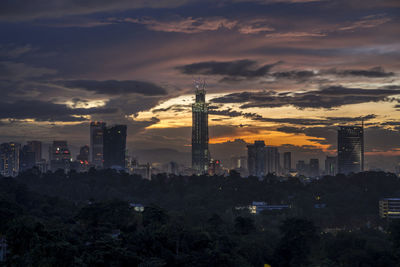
[(95, 103), (176, 113)]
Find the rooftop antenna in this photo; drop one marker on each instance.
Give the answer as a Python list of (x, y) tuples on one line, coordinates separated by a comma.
[(199, 84)]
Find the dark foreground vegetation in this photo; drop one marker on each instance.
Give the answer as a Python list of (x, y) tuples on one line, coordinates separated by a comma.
[(85, 219)]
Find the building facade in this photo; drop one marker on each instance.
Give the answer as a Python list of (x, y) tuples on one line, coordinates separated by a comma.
[(330, 166), (256, 159), (301, 167), (272, 162), (96, 143), (389, 208), (314, 168), (114, 147), (200, 152), (350, 149), (287, 162), (36, 147), (10, 159), (27, 158), (60, 156)]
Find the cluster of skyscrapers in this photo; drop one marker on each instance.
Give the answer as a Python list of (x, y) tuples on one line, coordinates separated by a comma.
[(263, 160), (107, 150)]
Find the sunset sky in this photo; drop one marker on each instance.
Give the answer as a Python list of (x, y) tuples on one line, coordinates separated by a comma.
[(284, 71)]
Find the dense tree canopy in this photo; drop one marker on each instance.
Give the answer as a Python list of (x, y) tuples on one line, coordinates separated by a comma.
[(85, 219)]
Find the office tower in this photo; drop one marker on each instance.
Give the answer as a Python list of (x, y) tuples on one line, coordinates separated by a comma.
[(272, 162), (9, 159), (200, 152), (83, 154), (287, 161), (36, 147), (350, 149), (114, 146), (330, 166), (314, 167), (27, 158), (59, 156), (96, 143), (256, 159), (301, 167)]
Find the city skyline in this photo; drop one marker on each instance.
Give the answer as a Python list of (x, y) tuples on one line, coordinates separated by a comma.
[(269, 78)]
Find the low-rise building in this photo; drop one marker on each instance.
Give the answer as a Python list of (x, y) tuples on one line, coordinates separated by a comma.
[(389, 208), (257, 207)]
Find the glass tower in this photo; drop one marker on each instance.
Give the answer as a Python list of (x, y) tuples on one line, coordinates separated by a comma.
[(350, 149), (96, 143), (200, 152), (114, 147)]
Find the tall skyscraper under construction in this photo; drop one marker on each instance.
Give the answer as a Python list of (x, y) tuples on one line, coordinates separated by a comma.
[(200, 152), (350, 149)]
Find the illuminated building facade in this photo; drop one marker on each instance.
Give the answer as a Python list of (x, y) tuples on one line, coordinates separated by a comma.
[(215, 167), (10, 159), (350, 149), (60, 156), (96, 143), (114, 147), (389, 208), (200, 152)]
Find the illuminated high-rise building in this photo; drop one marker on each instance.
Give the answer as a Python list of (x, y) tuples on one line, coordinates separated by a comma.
[(200, 152), (114, 147), (83, 154), (96, 143), (59, 156), (350, 149), (9, 159)]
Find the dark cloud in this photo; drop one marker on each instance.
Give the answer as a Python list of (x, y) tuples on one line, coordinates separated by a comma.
[(391, 123), (289, 129), (32, 9), (226, 112), (47, 111), (113, 87), (14, 51), (375, 72), (239, 68), (328, 97), (297, 121), (18, 71), (174, 108), (294, 75)]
